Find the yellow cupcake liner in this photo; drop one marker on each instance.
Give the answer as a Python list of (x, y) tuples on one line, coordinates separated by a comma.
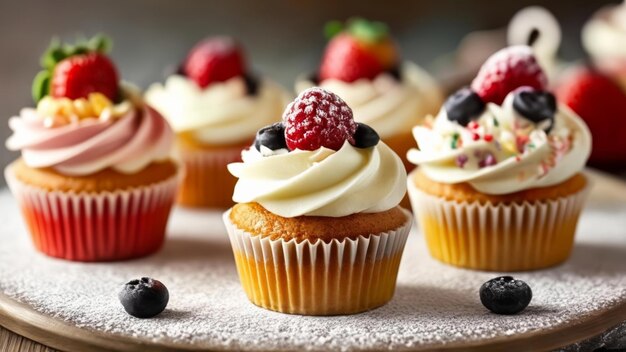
[(498, 237), (207, 182), (319, 278)]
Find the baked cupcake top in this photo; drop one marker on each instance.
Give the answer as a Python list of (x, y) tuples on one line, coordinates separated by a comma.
[(85, 120), (214, 98), (605, 34), (504, 134), (319, 162), (362, 65)]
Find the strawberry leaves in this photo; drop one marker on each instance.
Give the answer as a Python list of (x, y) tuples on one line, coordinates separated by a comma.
[(360, 28)]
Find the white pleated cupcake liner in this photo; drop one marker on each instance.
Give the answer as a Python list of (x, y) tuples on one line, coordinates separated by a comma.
[(96, 226), (319, 278), (498, 237), (207, 182)]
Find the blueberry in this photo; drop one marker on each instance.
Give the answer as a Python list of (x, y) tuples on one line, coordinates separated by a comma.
[(505, 295), (463, 106), (396, 73), (272, 137), (144, 298), (536, 106), (252, 84), (365, 136)]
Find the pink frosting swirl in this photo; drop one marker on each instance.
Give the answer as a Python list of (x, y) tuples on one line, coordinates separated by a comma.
[(127, 144)]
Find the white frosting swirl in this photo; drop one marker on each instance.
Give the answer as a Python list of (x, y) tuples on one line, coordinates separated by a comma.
[(605, 34), (222, 113), (388, 106), (323, 182), (518, 155)]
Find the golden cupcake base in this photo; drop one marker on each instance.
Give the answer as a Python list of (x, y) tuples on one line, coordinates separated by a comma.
[(207, 182), (331, 288), (499, 236), (318, 277)]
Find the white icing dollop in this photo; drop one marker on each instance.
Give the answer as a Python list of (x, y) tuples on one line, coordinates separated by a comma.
[(323, 182), (389, 106), (223, 113), (501, 152), (604, 36)]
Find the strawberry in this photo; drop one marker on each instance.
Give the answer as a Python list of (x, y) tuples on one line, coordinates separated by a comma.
[(77, 76), (346, 60), (362, 49), (214, 60), (601, 102), (506, 70), (75, 71)]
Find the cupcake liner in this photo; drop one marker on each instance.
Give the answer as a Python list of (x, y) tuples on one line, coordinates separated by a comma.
[(319, 278), (498, 237), (207, 182), (89, 227)]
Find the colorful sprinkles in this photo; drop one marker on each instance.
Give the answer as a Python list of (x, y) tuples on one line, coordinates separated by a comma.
[(455, 141), (461, 160)]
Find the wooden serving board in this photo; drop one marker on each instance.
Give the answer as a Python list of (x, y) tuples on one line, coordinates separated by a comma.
[(74, 307)]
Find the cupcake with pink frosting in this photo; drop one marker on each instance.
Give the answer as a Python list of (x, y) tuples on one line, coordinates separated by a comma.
[(95, 180)]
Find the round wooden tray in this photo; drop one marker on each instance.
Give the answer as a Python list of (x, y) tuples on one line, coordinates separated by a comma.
[(73, 306)]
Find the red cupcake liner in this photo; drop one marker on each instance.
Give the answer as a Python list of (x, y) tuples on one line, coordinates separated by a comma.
[(96, 227)]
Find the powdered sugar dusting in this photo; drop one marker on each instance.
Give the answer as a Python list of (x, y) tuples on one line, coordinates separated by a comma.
[(434, 304)]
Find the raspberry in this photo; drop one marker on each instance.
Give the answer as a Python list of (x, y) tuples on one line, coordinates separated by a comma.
[(318, 118), (507, 70)]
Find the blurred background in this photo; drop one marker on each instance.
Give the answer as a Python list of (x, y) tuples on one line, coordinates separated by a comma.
[(283, 38)]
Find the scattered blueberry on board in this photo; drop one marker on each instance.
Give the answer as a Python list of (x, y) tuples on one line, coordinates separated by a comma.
[(144, 298), (505, 295)]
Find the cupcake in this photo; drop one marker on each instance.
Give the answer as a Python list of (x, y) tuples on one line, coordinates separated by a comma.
[(362, 64), (317, 229), (500, 185), (95, 181), (215, 106)]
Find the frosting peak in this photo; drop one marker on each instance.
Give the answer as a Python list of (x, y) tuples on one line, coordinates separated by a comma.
[(502, 152), (323, 182)]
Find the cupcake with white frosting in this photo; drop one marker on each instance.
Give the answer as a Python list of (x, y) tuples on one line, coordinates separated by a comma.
[(500, 184), (95, 180), (317, 229), (215, 107), (362, 65)]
